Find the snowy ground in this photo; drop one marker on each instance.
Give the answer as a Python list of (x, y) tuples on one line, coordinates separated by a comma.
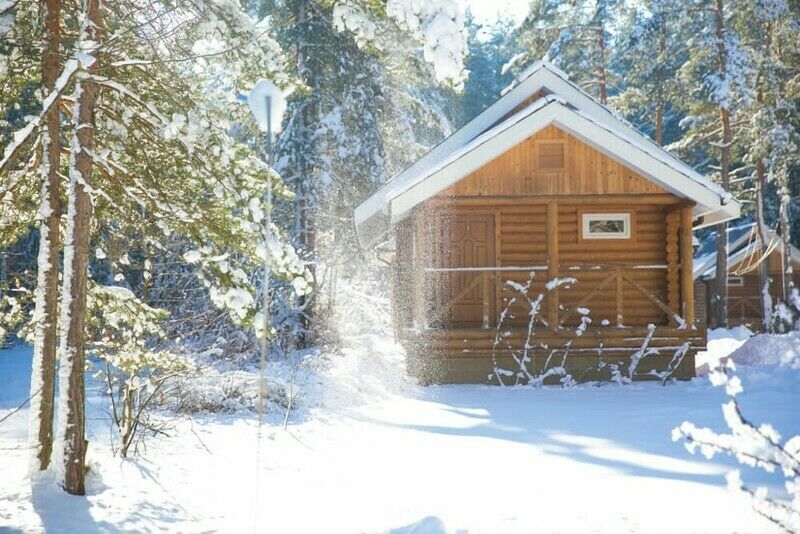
[(374, 453)]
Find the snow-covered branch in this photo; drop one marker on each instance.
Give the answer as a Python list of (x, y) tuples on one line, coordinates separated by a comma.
[(754, 446)]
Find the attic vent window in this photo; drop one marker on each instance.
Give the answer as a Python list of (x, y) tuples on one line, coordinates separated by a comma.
[(736, 281), (550, 155)]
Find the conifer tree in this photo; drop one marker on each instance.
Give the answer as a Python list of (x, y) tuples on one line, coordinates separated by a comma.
[(717, 74), (771, 132), (151, 148), (357, 118), (576, 36), (490, 48), (651, 49)]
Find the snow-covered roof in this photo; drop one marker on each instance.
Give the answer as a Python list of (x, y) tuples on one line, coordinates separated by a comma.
[(743, 243), (494, 132), (705, 257)]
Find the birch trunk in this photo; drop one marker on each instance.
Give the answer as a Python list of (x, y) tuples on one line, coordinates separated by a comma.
[(42, 393), (763, 235), (76, 260)]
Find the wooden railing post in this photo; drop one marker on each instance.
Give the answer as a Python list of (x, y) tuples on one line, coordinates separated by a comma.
[(552, 264), (687, 278), (619, 297), (485, 299)]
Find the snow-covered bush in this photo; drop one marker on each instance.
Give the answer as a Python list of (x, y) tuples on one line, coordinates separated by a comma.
[(754, 446), (213, 391), (122, 332), (553, 368), (12, 311), (787, 314)]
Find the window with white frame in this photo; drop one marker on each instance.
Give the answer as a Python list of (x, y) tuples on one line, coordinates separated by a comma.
[(606, 225), (735, 281)]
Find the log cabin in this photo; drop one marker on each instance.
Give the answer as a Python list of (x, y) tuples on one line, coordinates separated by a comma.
[(745, 259), (546, 187)]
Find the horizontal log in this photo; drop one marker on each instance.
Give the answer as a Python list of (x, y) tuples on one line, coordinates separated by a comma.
[(610, 332), (614, 199), (608, 354)]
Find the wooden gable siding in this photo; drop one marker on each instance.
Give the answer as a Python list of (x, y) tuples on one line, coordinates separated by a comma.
[(586, 172)]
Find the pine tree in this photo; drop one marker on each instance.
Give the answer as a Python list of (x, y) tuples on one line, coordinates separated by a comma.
[(45, 341), (490, 48), (771, 134), (358, 118), (717, 74), (151, 149), (576, 36), (72, 442), (651, 49)]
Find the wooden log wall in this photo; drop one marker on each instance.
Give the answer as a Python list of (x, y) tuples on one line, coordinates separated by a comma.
[(523, 239), (528, 202)]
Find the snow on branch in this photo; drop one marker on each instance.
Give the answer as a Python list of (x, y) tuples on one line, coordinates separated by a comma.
[(753, 446), (439, 25), (20, 136)]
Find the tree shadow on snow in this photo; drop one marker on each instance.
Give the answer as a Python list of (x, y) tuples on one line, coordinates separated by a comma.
[(61, 512), (627, 429), (426, 525)]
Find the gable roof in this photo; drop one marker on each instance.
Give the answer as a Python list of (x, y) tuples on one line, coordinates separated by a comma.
[(743, 243), (498, 129)]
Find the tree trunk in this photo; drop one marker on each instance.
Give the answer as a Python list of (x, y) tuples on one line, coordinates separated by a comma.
[(763, 235), (788, 269), (601, 65), (126, 424), (305, 207), (42, 394), (76, 261), (660, 121), (660, 105), (721, 280)]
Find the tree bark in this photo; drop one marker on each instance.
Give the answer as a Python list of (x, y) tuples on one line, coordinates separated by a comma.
[(721, 275), (601, 65), (763, 235), (76, 261), (42, 394), (662, 52), (788, 270), (305, 207)]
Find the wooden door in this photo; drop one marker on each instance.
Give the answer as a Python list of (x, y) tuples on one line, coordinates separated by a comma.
[(466, 245)]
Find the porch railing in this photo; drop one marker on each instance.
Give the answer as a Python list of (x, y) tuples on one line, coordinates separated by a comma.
[(491, 280)]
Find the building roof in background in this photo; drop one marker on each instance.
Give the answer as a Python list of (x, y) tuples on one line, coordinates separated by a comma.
[(743, 243)]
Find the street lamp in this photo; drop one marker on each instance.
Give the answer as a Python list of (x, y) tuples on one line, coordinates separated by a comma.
[(268, 104)]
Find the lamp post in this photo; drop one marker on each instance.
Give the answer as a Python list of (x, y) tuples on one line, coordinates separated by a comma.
[(267, 103)]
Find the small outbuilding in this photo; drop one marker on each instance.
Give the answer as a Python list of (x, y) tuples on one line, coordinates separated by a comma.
[(551, 194), (745, 259)]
